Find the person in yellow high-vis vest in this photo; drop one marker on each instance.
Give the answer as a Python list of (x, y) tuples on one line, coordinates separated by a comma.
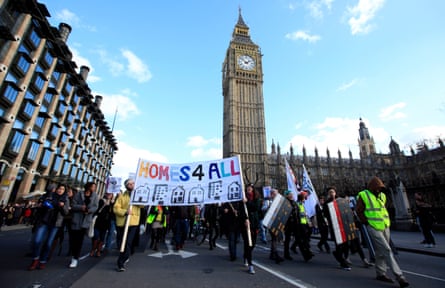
[(372, 212)]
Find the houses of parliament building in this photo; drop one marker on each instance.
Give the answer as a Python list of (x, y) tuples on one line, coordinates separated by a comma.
[(244, 134), (52, 128)]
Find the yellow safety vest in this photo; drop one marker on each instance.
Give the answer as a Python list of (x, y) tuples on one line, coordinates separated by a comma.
[(302, 213), (375, 210)]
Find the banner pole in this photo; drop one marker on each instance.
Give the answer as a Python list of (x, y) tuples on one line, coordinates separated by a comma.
[(127, 223), (249, 236)]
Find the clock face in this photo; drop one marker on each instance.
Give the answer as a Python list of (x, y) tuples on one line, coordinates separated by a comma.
[(246, 62)]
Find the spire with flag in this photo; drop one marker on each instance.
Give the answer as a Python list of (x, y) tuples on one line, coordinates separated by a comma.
[(312, 198)]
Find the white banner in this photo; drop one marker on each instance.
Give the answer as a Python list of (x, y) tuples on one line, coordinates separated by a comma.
[(188, 184), (312, 198)]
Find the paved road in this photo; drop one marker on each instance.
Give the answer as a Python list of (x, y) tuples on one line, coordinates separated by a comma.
[(196, 266)]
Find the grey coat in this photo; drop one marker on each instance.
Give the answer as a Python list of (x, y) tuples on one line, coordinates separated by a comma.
[(80, 219)]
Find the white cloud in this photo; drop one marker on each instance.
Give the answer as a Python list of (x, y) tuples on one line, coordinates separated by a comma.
[(68, 17), (346, 86), (336, 134), (362, 14), (82, 61), (303, 35), (126, 159), (316, 7), (125, 106), (206, 149), (391, 112), (114, 67), (133, 68), (136, 68)]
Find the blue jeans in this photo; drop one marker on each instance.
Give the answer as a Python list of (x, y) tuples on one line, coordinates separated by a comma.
[(39, 242), (110, 234)]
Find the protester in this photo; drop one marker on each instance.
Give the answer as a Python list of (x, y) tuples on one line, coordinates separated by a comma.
[(372, 212), (340, 249), (273, 237), (250, 218), (157, 219), (323, 226), (183, 216), (52, 207), (112, 231), (102, 224), (84, 206), (426, 219), (211, 215), (290, 229), (122, 209), (231, 225), (303, 230)]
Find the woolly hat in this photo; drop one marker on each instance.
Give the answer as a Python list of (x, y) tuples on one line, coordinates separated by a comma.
[(287, 192), (127, 181)]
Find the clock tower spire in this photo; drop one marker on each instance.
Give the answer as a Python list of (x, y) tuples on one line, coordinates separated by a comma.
[(244, 131)]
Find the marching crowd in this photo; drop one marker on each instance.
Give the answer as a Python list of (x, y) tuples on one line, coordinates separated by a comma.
[(81, 214)]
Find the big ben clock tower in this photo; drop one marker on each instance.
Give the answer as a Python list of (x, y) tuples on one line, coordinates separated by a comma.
[(244, 130)]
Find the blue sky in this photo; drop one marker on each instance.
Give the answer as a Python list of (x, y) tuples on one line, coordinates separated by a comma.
[(326, 63)]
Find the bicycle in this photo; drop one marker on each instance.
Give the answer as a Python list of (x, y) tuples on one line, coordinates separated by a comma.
[(199, 232)]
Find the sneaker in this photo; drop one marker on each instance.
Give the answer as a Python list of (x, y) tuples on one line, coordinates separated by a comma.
[(366, 263), (120, 269), (251, 270), (346, 268), (126, 262), (403, 283), (246, 263), (384, 278), (73, 263), (42, 265)]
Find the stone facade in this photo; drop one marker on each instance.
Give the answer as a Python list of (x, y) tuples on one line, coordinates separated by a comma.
[(52, 129)]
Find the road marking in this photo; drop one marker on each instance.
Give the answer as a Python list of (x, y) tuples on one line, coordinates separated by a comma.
[(423, 275), (292, 281), (182, 253)]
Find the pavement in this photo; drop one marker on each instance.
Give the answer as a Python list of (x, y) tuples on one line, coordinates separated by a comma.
[(403, 241)]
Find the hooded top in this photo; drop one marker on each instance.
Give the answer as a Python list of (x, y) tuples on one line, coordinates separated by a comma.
[(375, 185)]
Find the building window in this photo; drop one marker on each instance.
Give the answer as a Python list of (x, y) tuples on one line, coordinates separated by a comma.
[(48, 59), (74, 99), (23, 65), (28, 110), (40, 121), (66, 168), (47, 99), (9, 93), (73, 172), (33, 149), (39, 82), (45, 158), (54, 130), (34, 38), (17, 138), (56, 164), (61, 107)]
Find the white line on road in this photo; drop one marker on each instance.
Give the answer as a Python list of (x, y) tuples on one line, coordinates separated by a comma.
[(423, 275), (292, 281), (295, 282)]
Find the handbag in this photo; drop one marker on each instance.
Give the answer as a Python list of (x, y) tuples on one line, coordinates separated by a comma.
[(91, 228)]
